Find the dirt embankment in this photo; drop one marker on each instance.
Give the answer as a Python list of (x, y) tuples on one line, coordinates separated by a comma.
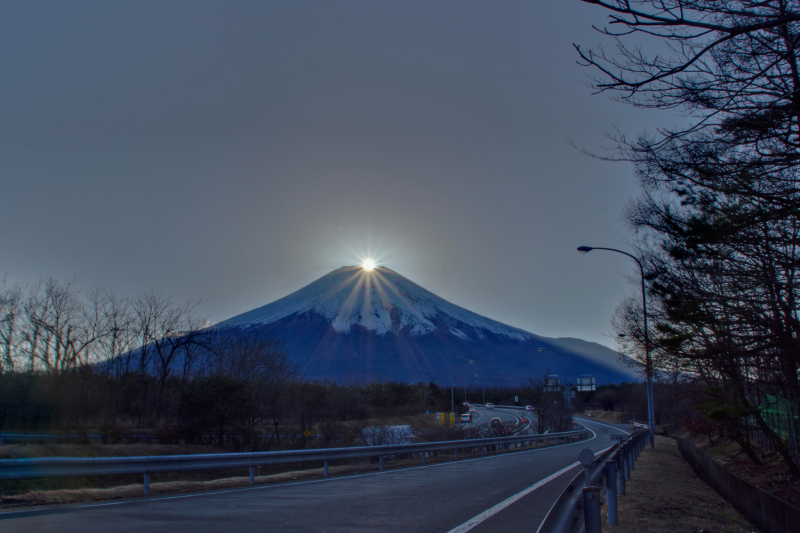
[(664, 495), (610, 417)]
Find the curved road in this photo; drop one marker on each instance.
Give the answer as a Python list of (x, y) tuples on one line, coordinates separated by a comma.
[(496, 493)]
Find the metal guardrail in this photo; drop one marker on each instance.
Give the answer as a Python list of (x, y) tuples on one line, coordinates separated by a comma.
[(29, 438), (497, 406), (98, 466), (21, 438), (578, 507)]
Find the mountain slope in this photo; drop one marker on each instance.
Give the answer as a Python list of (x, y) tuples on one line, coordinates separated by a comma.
[(358, 325)]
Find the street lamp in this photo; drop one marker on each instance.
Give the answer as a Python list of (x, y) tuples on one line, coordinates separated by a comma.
[(648, 366), (483, 387), (453, 385), (566, 389)]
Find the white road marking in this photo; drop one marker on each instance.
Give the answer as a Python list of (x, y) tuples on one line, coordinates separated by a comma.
[(26, 510), (488, 513)]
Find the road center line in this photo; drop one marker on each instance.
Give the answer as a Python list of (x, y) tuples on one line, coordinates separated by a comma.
[(488, 513)]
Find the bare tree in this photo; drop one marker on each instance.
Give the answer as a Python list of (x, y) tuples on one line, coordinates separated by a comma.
[(10, 309), (61, 326), (115, 350), (550, 409), (168, 332)]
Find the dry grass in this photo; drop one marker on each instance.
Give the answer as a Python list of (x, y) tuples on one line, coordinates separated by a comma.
[(27, 451), (664, 495), (157, 489)]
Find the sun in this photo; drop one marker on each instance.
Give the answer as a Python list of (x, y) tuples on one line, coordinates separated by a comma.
[(368, 264)]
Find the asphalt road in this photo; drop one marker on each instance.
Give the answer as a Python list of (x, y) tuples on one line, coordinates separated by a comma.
[(497, 493), (484, 416)]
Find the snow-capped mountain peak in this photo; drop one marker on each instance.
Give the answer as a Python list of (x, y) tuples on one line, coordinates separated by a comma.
[(380, 300)]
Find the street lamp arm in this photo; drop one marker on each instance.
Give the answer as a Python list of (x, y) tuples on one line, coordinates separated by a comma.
[(452, 369), (586, 249)]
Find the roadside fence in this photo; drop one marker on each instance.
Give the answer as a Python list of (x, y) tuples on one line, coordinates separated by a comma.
[(766, 510)]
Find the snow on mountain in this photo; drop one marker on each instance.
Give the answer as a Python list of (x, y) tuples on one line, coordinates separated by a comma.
[(355, 325), (380, 300)]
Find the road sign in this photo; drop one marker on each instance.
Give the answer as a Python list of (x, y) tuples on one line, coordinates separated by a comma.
[(586, 383), (306, 433), (586, 457)]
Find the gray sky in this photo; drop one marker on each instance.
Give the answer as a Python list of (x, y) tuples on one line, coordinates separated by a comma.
[(235, 151)]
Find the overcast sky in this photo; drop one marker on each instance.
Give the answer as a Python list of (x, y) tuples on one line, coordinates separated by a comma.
[(236, 151)]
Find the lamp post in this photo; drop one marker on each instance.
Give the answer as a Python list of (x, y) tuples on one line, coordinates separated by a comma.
[(648, 366), (566, 389), (453, 385)]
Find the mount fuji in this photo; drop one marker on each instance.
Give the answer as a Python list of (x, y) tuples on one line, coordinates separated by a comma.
[(355, 325)]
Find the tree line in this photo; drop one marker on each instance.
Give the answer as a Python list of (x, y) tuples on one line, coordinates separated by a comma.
[(717, 218), (147, 366)]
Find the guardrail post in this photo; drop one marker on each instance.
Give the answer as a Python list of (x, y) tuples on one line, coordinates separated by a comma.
[(586, 457), (611, 491), (423, 457), (632, 453), (380, 463), (483, 451), (252, 475), (620, 473), (147, 484), (591, 509), (626, 459), (326, 468), (455, 454)]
